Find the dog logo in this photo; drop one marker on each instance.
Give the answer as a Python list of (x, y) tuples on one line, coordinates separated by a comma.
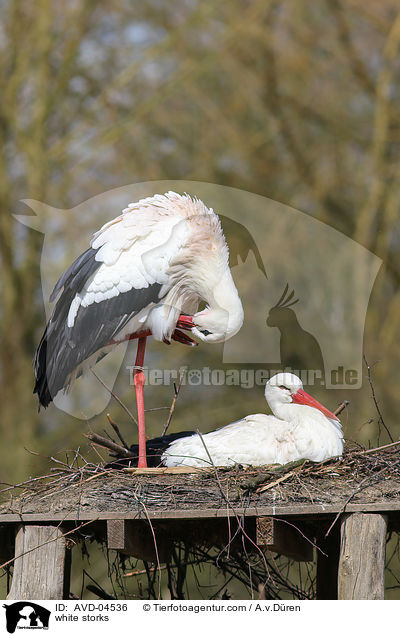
[(26, 615)]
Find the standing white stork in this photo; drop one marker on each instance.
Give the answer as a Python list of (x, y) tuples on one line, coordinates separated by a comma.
[(145, 274), (301, 428)]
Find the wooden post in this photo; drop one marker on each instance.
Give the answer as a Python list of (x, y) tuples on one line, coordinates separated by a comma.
[(41, 566), (362, 557)]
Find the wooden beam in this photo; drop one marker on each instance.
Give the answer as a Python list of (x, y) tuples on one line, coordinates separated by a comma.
[(278, 510), (41, 564), (137, 539), (172, 470), (327, 563), (285, 538), (362, 557)]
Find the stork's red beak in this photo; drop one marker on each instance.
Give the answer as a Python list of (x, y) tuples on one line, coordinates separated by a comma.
[(301, 397), (185, 322)]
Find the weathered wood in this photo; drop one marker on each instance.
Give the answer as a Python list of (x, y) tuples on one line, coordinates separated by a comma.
[(172, 470), (116, 495), (327, 563), (284, 538), (362, 557), (137, 539), (154, 541), (116, 534), (40, 564), (279, 510)]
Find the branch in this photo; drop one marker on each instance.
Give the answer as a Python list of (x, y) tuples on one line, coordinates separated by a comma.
[(107, 443), (115, 396), (380, 420), (171, 411), (359, 69), (118, 432), (341, 407)]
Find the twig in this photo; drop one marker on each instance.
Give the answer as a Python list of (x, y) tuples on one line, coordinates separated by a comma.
[(115, 396), (155, 548), (162, 567), (379, 448), (314, 545), (116, 429), (100, 593), (171, 411), (278, 481), (3, 565), (105, 472), (361, 486), (107, 443), (341, 407), (380, 420)]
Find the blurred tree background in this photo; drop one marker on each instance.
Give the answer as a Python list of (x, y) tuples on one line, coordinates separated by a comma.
[(291, 99), (296, 101)]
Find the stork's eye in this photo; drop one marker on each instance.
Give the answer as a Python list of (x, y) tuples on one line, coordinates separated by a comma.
[(205, 332), (283, 387)]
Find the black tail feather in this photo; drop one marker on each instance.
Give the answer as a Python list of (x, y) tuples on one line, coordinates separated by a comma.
[(154, 450), (40, 363), (54, 343)]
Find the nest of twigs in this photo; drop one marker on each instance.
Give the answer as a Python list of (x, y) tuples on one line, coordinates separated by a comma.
[(76, 484), (72, 488)]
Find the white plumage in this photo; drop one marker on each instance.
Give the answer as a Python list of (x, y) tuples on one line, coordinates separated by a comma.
[(173, 241), (159, 259), (145, 273), (300, 428)]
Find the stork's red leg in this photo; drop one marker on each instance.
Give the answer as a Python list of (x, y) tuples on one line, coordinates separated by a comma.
[(139, 379)]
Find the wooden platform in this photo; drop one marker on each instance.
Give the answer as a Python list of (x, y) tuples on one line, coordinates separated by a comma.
[(168, 495), (281, 510)]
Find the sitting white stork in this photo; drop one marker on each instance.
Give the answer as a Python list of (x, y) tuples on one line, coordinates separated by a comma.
[(145, 274), (301, 428)]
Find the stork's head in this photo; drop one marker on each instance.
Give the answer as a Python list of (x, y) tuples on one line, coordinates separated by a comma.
[(217, 325), (223, 316), (286, 388)]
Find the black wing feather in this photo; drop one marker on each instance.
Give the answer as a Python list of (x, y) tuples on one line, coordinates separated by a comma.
[(78, 273), (62, 349)]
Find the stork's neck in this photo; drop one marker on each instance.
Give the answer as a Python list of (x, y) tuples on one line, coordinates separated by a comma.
[(286, 412), (225, 296)]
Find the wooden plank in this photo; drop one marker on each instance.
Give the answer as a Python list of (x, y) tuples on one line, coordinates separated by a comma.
[(362, 557), (40, 563), (284, 538), (172, 470), (298, 510)]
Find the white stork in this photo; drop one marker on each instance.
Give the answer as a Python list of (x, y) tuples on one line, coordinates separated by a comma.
[(301, 428), (144, 274)]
